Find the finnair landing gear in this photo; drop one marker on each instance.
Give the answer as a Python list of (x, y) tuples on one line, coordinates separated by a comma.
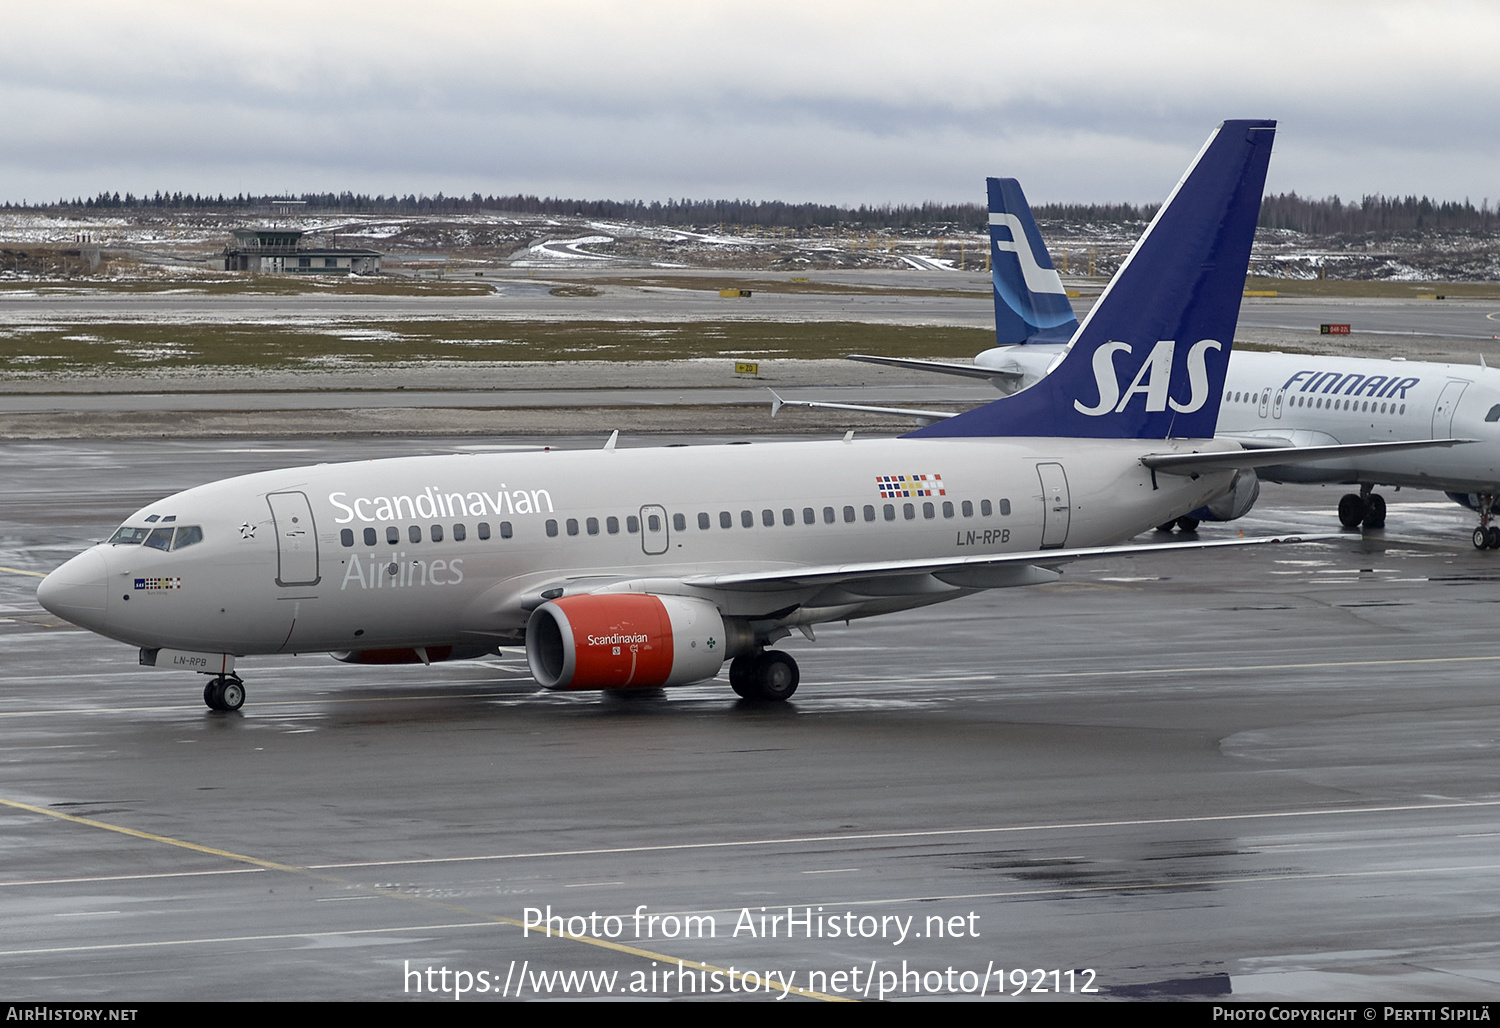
[(1182, 524), (1486, 536), (1365, 508), (768, 675), (226, 692)]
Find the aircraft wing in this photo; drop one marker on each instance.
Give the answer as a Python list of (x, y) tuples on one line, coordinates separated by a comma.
[(1223, 460), (981, 571), (1012, 370)]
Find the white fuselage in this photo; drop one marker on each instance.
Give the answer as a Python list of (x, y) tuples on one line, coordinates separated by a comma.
[(458, 550), (1296, 400)]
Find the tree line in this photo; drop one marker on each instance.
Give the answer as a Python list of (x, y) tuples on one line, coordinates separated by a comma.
[(1374, 215)]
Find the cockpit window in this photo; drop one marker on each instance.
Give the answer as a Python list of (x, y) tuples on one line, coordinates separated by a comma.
[(162, 538), (1494, 414), (128, 536)]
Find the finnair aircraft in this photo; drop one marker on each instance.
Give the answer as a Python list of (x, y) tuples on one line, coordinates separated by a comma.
[(1269, 399), (620, 568)]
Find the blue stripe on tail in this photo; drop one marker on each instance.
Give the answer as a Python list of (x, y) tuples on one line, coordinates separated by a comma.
[(1149, 360)]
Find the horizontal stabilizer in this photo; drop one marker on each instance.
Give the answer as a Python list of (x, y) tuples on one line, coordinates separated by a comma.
[(1226, 460)]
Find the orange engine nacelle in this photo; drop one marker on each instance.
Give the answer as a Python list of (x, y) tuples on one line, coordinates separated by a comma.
[(624, 641)]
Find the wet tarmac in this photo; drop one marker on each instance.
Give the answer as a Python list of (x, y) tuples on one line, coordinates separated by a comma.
[(1260, 774)]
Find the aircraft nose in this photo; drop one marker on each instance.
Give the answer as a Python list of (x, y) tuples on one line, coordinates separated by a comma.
[(78, 590)]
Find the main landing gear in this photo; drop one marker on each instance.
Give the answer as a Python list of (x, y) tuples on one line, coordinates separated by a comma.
[(226, 692), (769, 675), (1182, 524), (1365, 508)]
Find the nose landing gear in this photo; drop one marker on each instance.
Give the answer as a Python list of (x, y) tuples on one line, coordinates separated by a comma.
[(225, 692), (1486, 536)]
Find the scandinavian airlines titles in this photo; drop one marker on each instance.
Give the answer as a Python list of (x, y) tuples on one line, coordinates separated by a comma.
[(1152, 381)]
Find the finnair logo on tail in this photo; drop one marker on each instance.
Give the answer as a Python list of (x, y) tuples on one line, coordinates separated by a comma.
[(1152, 381), (1038, 279)]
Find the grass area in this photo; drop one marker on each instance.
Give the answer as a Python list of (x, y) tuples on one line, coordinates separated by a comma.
[(715, 283), (257, 285), (1366, 290), (124, 347)]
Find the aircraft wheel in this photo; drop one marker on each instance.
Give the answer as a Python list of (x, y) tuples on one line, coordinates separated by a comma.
[(1351, 510), (1375, 511), (1481, 538), (1166, 527), (1493, 535), (742, 675), (224, 694), (775, 677), (1187, 524)]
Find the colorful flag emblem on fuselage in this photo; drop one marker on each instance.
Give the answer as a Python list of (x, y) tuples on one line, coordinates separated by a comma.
[(898, 486)]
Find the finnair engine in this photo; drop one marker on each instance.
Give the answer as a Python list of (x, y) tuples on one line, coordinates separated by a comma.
[(625, 641), (1243, 491)]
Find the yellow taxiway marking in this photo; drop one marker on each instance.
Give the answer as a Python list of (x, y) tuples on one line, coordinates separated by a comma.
[(272, 865), (18, 571)]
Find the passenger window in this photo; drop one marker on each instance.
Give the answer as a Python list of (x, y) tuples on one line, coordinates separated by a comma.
[(869, 512), (187, 535), (828, 515), (928, 510), (890, 511), (572, 527), (1493, 415), (908, 511), (632, 524), (968, 508), (392, 535), (160, 539), (592, 526), (985, 509), (947, 508), (371, 538), (437, 533), (654, 522), (768, 518), (505, 530), (551, 528), (747, 519), (612, 525), (459, 533), (704, 521), (414, 533), (679, 523), (726, 520), (484, 530), (346, 536), (809, 516), (848, 515), (788, 516)]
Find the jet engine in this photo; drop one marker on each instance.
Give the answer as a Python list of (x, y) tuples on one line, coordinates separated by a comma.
[(627, 641), (1236, 502)]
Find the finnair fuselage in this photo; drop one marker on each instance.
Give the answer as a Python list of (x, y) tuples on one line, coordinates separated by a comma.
[(1296, 400), (457, 551)]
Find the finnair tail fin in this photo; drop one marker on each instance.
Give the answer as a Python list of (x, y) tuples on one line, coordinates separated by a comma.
[(1031, 305), (1150, 359)]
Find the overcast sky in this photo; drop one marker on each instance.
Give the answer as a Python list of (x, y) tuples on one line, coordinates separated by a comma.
[(817, 100)]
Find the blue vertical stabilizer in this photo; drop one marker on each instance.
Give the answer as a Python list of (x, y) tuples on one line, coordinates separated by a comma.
[(1149, 360), (1031, 305)]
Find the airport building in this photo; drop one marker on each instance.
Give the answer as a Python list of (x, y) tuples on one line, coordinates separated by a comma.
[(280, 250)]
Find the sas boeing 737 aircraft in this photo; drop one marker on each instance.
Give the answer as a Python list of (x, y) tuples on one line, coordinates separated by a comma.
[(1270, 399), (620, 568)]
